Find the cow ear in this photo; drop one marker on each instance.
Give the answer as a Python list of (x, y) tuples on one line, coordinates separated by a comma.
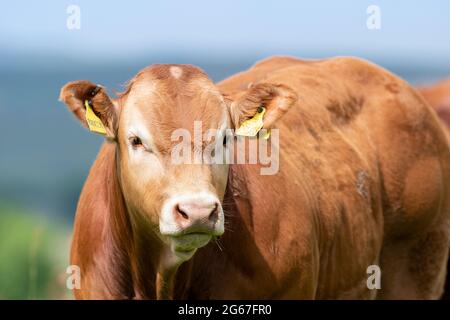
[(277, 99), (77, 93)]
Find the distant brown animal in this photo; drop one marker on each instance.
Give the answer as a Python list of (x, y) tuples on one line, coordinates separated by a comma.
[(364, 178), (438, 96)]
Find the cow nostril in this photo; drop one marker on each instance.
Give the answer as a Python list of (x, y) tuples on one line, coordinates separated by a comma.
[(214, 213), (181, 212)]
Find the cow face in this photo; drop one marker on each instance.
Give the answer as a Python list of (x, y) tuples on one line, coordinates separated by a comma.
[(161, 111), (183, 198)]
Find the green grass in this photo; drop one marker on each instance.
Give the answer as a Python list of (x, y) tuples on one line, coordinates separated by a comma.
[(33, 256)]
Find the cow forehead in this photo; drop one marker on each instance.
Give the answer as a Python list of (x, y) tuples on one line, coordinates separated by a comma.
[(163, 98)]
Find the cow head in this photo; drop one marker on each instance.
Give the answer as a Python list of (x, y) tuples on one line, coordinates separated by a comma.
[(181, 202)]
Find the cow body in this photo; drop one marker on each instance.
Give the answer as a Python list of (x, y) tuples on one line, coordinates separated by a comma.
[(363, 180)]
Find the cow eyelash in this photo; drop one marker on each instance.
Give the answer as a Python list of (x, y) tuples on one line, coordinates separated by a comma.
[(136, 142)]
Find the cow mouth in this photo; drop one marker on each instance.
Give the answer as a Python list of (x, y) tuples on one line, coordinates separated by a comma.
[(188, 243)]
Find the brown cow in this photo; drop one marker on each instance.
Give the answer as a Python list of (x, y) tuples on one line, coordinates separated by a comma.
[(363, 180), (438, 96)]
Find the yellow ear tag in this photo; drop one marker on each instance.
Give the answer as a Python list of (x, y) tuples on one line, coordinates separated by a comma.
[(94, 123), (251, 127)]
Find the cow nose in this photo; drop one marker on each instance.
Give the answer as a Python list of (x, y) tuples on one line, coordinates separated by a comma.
[(192, 214), (197, 213)]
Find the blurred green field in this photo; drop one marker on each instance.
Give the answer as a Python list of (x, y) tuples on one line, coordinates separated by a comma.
[(33, 255)]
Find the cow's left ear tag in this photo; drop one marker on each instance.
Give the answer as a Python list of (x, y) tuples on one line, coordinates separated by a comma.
[(94, 122), (251, 127)]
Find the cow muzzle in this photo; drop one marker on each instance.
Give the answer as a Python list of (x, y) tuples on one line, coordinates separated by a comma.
[(190, 221)]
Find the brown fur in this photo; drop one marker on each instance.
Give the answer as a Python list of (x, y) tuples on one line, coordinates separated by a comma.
[(364, 179)]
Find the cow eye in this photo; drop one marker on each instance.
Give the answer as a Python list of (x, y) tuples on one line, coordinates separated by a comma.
[(225, 140), (136, 142)]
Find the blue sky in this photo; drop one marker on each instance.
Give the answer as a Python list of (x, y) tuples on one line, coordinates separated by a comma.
[(120, 29)]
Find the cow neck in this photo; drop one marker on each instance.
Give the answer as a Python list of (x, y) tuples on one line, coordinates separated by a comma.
[(120, 231), (112, 256)]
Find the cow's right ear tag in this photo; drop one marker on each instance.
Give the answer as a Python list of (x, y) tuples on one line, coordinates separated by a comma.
[(94, 122)]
